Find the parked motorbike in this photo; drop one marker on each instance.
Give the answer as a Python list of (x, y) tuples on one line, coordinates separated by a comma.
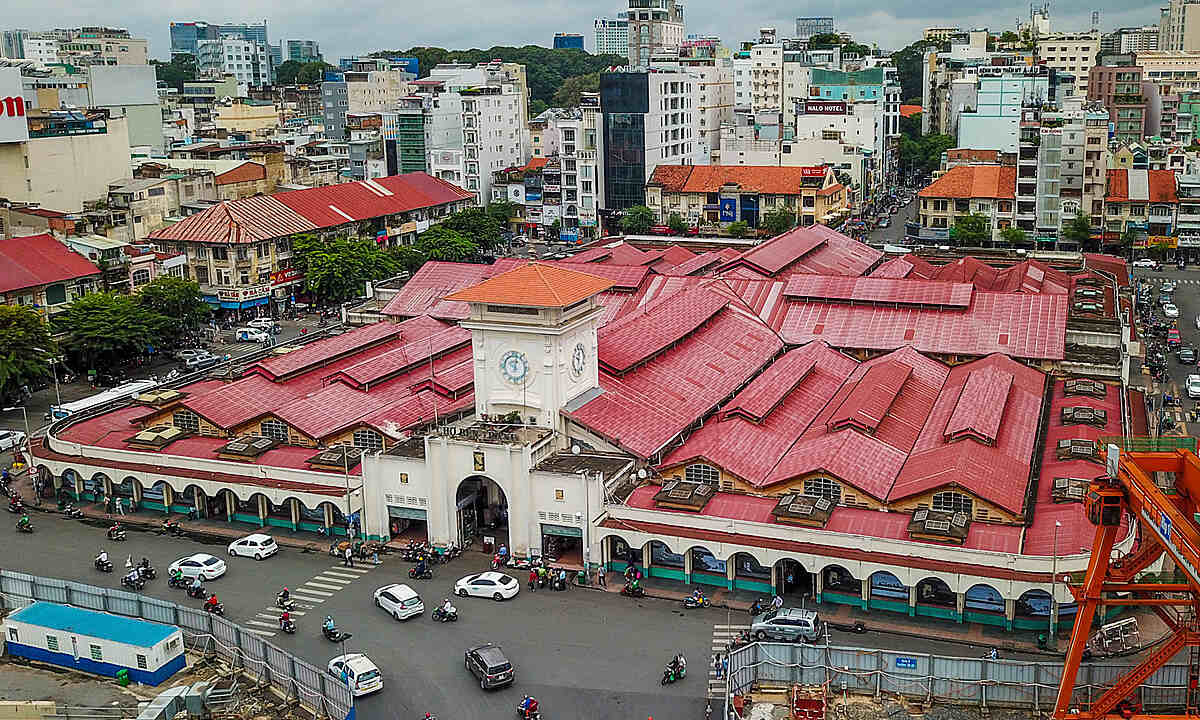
[(692, 603), (103, 565), (71, 511), (116, 533), (426, 575), (133, 583), (334, 635), (171, 527), (759, 607), (441, 615), (16, 506), (147, 572), (740, 640), (177, 582)]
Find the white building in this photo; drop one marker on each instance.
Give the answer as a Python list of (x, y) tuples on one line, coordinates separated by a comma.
[(743, 83), (248, 61), (991, 101), (493, 131), (612, 36), (1072, 53), (41, 48)]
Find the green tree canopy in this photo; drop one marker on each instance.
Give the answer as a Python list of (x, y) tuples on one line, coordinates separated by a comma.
[(286, 72), (908, 62), (338, 269), (106, 329), (822, 40), (502, 211), (637, 220), (738, 229), (478, 225), (778, 221), (568, 93), (1008, 36), (972, 229), (677, 224), (25, 348), (177, 299), (179, 69), (442, 243), (1078, 230), (924, 154), (1012, 235)]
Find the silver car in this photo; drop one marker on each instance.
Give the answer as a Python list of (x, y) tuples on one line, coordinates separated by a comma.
[(787, 625)]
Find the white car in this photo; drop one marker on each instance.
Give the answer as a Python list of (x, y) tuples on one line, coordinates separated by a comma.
[(257, 546), (1170, 310), (201, 565), (400, 601), (497, 586), (11, 439), (1193, 386), (358, 672), (265, 324), (1144, 263)]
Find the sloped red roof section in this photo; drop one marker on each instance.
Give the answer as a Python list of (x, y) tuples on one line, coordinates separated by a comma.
[(867, 404), (974, 181), (879, 290), (36, 260), (535, 284), (639, 336), (768, 390), (981, 404), (248, 220), (334, 205), (325, 351), (425, 290)]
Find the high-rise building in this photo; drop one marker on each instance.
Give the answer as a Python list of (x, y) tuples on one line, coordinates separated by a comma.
[(1179, 26), (101, 46), (301, 51), (1070, 53), (186, 36), (246, 60), (12, 43), (655, 27), (806, 27), (612, 36), (568, 41)]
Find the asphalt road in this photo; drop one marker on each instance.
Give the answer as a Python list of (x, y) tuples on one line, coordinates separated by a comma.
[(894, 233), (1187, 298), (583, 653)]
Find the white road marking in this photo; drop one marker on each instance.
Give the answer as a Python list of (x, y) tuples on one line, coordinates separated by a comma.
[(324, 586), (339, 573), (308, 599), (338, 581), (260, 633), (307, 589)]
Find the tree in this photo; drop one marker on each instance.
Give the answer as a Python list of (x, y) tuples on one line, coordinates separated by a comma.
[(737, 229), (677, 224), (555, 229), (637, 220), (778, 221), (287, 71), (312, 72), (177, 299), (909, 63), (1078, 230), (477, 224), (567, 95), (537, 107), (442, 243), (105, 330), (338, 269), (821, 40), (179, 69), (502, 211), (1012, 235), (972, 229), (25, 348), (1008, 36), (409, 258)]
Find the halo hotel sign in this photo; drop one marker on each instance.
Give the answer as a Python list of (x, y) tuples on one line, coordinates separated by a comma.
[(13, 125)]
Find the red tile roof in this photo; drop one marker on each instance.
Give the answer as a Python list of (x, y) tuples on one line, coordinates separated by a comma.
[(764, 179), (1156, 186), (980, 405), (1115, 266), (1020, 325), (36, 260), (974, 181), (623, 277), (423, 292), (910, 110), (923, 293), (249, 220), (702, 263), (386, 365), (769, 389), (896, 268), (865, 406), (815, 249), (639, 336), (322, 352), (535, 285)]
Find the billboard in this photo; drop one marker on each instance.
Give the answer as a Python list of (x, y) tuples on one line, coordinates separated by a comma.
[(728, 209), (13, 125), (408, 64), (822, 107)]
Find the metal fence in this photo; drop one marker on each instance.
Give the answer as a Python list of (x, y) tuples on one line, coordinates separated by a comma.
[(936, 678), (318, 692)]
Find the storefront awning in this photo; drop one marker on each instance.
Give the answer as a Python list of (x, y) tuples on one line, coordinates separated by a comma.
[(406, 513), (561, 530)]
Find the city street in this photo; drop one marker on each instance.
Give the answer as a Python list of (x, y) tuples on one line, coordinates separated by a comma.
[(894, 233), (582, 653), (1187, 298)]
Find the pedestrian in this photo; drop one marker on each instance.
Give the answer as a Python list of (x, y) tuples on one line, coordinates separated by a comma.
[(121, 507), (717, 664), (533, 579), (348, 556), (375, 554), (602, 576), (777, 602), (725, 665)]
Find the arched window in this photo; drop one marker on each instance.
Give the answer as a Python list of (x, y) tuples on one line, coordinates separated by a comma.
[(823, 487), (953, 502), (700, 472), (275, 430), (368, 440), (186, 420)]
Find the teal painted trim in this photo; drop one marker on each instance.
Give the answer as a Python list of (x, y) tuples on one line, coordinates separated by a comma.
[(936, 612), (378, 538), (276, 522), (151, 505), (837, 598), (181, 509), (709, 579), (1025, 623), (617, 565), (669, 573), (755, 585), (311, 527), (889, 605), (90, 497), (249, 519), (985, 618)]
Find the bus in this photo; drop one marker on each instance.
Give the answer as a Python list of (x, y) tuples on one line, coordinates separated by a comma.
[(124, 391)]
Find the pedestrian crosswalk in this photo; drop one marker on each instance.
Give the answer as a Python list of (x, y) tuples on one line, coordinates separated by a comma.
[(308, 596), (721, 637)]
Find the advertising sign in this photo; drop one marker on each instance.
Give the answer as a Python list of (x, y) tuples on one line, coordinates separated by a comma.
[(812, 172), (823, 107), (13, 125), (516, 194), (243, 294), (283, 277), (728, 209)]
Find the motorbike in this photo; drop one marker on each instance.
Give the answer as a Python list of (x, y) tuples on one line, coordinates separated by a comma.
[(171, 527), (103, 565), (26, 528), (521, 713), (759, 607), (71, 511), (672, 674), (334, 635), (288, 627), (741, 640), (147, 572), (16, 506), (177, 582), (691, 603), (134, 583), (634, 591), (449, 553), (215, 608), (288, 604), (440, 615), (426, 575), (558, 581), (197, 592), (116, 534)]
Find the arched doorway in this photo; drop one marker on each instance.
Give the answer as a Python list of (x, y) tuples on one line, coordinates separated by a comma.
[(621, 555), (936, 599), (984, 604), (887, 592), (839, 586), (708, 569), (750, 575), (95, 487), (1033, 611), (482, 512), (793, 581)]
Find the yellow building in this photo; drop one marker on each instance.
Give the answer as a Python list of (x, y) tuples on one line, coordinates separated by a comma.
[(247, 116)]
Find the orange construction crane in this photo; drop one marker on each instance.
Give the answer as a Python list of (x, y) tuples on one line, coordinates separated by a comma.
[(1166, 522)]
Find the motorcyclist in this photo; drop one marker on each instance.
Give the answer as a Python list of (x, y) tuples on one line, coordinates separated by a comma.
[(102, 558), (284, 595), (197, 584), (132, 576), (680, 665), (23, 522), (328, 625), (529, 706), (422, 566), (285, 619), (145, 563), (503, 553), (211, 602), (114, 530), (176, 575), (446, 606), (697, 596)]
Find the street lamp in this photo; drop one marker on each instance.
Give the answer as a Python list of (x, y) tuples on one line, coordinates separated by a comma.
[(1054, 578), (28, 436), (54, 372)]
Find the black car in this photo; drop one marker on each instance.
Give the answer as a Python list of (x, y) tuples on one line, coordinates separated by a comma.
[(488, 663)]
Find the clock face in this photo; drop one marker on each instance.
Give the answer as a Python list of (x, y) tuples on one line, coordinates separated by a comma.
[(514, 367), (578, 359)]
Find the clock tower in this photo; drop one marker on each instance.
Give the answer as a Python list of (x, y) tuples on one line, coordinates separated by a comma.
[(533, 332)]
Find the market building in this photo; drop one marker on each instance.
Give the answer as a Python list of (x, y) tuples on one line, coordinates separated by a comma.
[(808, 417)]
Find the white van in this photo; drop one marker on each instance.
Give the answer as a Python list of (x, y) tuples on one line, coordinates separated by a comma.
[(249, 334)]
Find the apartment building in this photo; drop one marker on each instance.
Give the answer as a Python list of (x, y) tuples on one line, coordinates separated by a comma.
[(493, 129), (1118, 87), (612, 36), (300, 50), (231, 54), (1174, 72), (1188, 225), (1144, 201), (1071, 53), (992, 99), (138, 206), (718, 195), (1179, 27), (655, 28), (101, 46), (987, 190)]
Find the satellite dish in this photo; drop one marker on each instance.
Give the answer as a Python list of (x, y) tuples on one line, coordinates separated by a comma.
[(574, 449)]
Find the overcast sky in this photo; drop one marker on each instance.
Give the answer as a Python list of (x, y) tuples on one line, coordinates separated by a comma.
[(360, 26)]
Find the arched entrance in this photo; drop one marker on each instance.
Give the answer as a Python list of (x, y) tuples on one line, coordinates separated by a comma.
[(839, 586), (792, 579), (936, 599), (482, 512)]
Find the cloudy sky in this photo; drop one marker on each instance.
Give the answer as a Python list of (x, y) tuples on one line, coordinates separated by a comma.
[(359, 26)]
